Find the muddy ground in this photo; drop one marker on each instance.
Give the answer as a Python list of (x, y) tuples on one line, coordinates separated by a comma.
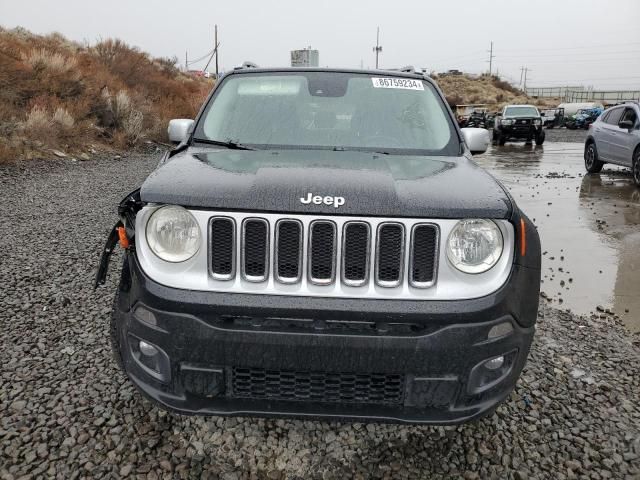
[(588, 224)]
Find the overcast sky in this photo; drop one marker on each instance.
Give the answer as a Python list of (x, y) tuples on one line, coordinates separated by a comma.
[(590, 42)]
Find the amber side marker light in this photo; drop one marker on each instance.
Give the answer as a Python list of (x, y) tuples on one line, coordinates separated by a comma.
[(122, 237), (523, 239)]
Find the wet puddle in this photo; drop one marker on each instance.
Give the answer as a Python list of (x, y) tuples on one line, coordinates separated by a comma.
[(588, 225)]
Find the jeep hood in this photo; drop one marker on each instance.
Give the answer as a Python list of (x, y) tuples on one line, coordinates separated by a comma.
[(371, 184)]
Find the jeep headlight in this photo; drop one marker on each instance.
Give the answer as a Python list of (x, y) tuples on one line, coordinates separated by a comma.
[(173, 234), (506, 121), (537, 121), (474, 245)]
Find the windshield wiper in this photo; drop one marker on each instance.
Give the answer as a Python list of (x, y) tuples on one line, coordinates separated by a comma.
[(356, 149), (230, 144)]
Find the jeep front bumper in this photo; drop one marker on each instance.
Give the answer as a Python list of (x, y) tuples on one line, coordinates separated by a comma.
[(401, 361)]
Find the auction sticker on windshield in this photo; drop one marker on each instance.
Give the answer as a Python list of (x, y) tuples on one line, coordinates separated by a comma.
[(406, 83)]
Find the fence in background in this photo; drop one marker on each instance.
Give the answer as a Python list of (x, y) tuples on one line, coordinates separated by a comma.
[(553, 92), (581, 94)]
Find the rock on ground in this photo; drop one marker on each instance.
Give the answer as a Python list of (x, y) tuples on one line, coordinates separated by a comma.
[(67, 412)]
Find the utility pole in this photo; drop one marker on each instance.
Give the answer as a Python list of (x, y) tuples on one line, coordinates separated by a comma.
[(186, 61), (378, 47), (521, 73), (525, 78), (491, 55), (215, 43)]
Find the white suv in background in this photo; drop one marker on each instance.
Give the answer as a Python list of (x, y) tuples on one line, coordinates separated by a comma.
[(615, 138)]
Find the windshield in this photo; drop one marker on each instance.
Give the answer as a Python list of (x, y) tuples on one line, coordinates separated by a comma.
[(521, 112), (329, 110)]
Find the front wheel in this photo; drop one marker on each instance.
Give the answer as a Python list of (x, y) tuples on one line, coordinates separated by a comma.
[(502, 140), (636, 167), (591, 162), (540, 137)]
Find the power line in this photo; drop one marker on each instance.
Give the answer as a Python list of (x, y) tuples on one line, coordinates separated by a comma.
[(569, 55), (571, 62), (215, 52), (202, 57), (571, 48)]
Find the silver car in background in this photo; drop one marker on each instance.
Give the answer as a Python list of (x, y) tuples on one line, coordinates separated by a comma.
[(615, 138)]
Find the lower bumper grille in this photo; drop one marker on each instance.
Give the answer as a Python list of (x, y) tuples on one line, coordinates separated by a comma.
[(256, 383)]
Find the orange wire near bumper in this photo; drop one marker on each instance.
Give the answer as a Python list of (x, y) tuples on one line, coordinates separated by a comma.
[(523, 238), (122, 237)]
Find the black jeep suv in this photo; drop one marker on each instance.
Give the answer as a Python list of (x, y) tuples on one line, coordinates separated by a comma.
[(321, 243), (519, 122)]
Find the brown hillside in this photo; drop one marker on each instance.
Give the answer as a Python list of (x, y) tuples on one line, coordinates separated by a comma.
[(56, 94), (484, 89)]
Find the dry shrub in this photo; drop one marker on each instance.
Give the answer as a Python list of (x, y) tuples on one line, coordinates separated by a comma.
[(60, 94), (62, 118), (41, 59), (454, 100), (38, 124), (504, 85), (124, 116)]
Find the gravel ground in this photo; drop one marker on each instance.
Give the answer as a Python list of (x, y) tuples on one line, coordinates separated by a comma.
[(67, 412)]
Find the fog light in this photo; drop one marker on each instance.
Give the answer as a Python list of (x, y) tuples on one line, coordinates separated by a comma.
[(147, 349), (501, 330), (494, 363)]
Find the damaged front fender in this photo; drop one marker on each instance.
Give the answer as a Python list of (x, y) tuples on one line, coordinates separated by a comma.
[(123, 232)]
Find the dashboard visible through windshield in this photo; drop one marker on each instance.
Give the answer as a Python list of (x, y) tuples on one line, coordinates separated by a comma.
[(329, 110)]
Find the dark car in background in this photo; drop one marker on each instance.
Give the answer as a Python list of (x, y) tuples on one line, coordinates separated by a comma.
[(322, 244), (519, 122)]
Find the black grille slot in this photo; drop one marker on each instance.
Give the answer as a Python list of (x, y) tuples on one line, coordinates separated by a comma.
[(424, 246), (255, 249), (222, 242), (355, 253), (289, 250), (318, 386), (322, 255), (390, 253)]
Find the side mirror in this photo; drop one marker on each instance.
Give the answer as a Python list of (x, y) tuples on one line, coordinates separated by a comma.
[(477, 139), (179, 129), (626, 124)]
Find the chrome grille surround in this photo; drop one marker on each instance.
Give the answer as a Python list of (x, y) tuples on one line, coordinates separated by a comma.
[(243, 250), (379, 253), (209, 241), (343, 266), (276, 259), (412, 281), (448, 283), (327, 280)]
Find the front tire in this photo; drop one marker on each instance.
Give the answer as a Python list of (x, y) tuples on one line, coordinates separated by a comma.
[(540, 138), (502, 140), (636, 167), (591, 162)]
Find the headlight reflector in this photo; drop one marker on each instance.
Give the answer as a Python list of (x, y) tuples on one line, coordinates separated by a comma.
[(474, 245), (173, 234), (506, 121)]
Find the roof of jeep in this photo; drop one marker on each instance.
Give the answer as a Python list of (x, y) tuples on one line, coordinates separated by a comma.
[(386, 73)]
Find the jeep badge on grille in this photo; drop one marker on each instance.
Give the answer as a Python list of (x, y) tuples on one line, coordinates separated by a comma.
[(318, 199)]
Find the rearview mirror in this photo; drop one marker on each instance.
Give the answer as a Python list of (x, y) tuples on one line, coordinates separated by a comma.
[(626, 124), (178, 129), (477, 139)]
